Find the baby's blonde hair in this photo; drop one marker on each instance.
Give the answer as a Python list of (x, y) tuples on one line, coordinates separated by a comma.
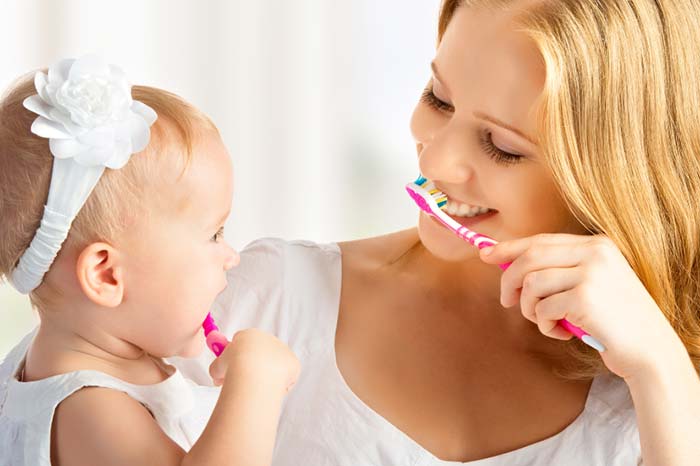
[(25, 173), (619, 124)]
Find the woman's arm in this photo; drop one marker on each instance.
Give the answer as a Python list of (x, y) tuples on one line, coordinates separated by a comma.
[(587, 280), (667, 402)]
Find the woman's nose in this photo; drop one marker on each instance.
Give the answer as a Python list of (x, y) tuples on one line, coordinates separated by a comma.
[(232, 259), (445, 156)]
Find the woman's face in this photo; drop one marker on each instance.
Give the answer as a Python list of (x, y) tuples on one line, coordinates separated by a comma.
[(476, 136)]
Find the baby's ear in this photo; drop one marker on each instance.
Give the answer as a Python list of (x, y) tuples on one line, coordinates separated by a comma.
[(101, 274)]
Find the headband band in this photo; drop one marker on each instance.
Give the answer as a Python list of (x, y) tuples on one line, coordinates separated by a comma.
[(86, 112)]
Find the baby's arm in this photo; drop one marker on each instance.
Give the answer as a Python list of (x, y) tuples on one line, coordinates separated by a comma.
[(107, 427), (256, 370), (103, 426)]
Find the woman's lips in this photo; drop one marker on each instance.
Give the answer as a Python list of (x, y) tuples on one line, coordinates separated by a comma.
[(468, 222)]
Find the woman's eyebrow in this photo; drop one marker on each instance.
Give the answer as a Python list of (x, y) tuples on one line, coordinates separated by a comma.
[(500, 123), (436, 74), (482, 115)]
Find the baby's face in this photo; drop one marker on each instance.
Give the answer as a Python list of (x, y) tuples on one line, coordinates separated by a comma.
[(476, 134), (177, 259)]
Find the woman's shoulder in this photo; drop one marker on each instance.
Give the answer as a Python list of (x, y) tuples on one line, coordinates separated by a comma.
[(610, 414), (288, 288), (270, 257), (610, 400), (270, 266), (379, 250)]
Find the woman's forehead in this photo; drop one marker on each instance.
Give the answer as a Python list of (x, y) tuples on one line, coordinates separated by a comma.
[(485, 60)]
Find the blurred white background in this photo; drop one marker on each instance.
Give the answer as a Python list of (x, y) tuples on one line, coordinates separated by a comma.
[(312, 97)]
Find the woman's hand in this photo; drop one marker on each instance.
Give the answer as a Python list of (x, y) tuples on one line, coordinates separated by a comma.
[(586, 280)]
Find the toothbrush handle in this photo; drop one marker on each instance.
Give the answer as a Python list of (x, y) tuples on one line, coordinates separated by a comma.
[(216, 341), (565, 324)]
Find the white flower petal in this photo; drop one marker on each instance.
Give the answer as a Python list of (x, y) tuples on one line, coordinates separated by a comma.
[(145, 111), (50, 92), (122, 153), (95, 156), (66, 148), (118, 77), (49, 129), (116, 72), (98, 137), (64, 119), (139, 132), (60, 71), (88, 65), (36, 104), (40, 81)]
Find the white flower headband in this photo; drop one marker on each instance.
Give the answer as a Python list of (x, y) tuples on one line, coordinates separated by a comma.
[(86, 111)]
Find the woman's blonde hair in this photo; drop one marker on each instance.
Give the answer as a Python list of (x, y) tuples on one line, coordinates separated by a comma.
[(619, 124), (120, 195)]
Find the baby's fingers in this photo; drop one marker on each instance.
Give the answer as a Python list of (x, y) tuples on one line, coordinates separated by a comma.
[(217, 371)]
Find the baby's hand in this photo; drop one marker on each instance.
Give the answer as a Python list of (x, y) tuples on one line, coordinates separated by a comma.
[(257, 357)]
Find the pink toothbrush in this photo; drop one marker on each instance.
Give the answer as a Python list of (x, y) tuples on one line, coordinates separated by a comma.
[(216, 341), (431, 200)]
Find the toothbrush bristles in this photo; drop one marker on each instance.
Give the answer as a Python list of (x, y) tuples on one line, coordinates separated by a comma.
[(439, 196)]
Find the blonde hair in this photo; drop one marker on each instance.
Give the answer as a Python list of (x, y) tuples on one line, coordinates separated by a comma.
[(619, 124), (25, 173)]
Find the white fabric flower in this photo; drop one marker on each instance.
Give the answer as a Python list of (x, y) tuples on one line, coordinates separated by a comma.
[(86, 111)]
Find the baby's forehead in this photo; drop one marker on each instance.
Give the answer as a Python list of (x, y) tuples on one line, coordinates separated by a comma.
[(202, 185)]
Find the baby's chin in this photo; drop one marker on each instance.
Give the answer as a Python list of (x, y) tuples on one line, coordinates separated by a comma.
[(442, 243), (193, 347)]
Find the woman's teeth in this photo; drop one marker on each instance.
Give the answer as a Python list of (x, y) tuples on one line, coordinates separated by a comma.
[(464, 210)]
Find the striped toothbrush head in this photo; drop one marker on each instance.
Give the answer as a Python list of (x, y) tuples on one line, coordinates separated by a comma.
[(439, 197), (433, 201)]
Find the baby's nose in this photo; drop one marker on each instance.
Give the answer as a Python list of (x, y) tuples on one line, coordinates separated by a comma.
[(232, 259)]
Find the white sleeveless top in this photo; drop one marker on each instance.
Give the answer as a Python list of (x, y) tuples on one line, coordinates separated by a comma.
[(180, 407), (292, 289)]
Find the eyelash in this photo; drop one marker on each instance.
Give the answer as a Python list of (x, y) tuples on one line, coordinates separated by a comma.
[(499, 156), (218, 235)]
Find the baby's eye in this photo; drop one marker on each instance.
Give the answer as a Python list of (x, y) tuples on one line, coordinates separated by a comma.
[(218, 235)]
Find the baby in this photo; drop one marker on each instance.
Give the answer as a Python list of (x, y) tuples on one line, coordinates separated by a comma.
[(113, 202)]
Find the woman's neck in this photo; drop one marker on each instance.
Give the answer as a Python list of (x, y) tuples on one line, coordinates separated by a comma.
[(468, 284)]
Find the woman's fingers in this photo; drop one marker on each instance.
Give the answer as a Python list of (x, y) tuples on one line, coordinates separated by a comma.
[(549, 311), (538, 258), (541, 284), (508, 251)]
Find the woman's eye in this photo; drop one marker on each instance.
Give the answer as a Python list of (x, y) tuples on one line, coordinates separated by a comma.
[(433, 102), (218, 235), (500, 156)]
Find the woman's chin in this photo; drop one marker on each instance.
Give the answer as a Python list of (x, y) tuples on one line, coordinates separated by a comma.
[(442, 243)]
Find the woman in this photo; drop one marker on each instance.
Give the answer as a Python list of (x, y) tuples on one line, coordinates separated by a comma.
[(573, 118)]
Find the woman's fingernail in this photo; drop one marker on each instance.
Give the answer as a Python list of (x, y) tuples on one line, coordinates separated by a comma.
[(488, 250)]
